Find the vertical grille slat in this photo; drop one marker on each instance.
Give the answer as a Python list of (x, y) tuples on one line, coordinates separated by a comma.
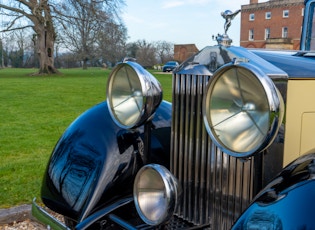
[(190, 124), (175, 119), (197, 140), (216, 187)]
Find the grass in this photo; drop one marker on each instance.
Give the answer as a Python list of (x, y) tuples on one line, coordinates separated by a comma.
[(34, 112)]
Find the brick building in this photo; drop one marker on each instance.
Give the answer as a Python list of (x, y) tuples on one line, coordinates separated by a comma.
[(275, 24), (184, 51)]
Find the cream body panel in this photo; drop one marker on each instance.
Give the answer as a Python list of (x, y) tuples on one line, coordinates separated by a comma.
[(300, 119)]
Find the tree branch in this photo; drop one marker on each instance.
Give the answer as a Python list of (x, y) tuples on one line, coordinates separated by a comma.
[(15, 9), (13, 22), (17, 28)]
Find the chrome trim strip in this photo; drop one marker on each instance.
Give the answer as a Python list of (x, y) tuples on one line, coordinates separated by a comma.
[(46, 219), (51, 222)]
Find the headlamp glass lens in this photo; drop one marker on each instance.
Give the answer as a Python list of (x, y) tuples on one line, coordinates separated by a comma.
[(126, 99), (238, 110), (151, 195)]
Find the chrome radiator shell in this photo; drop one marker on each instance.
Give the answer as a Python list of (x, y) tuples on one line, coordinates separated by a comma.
[(216, 188)]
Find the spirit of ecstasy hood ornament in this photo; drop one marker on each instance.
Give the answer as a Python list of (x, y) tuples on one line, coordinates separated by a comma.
[(228, 16)]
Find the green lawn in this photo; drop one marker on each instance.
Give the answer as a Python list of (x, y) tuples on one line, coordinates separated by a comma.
[(34, 112)]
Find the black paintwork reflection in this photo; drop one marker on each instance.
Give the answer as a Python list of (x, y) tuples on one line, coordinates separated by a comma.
[(71, 172), (264, 220), (95, 161), (287, 202), (127, 139)]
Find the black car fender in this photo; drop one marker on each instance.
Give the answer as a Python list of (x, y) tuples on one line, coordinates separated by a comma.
[(286, 202), (95, 161)]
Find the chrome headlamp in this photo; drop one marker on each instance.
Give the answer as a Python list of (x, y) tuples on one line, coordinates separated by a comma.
[(133, 95), (243, 109), (156, 194)]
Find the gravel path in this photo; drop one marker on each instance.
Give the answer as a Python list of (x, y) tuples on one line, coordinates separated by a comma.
[(19, 218), (24, 225)]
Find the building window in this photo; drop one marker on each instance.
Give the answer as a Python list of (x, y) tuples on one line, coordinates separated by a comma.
[(268, 15), (284, 32), (267, 33), (285, 13), (251, 17), (251, 35), (302, 12)]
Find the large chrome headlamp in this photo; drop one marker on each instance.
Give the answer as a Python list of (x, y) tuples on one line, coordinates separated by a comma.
[(156, 194), (243, 109), (133, 94)]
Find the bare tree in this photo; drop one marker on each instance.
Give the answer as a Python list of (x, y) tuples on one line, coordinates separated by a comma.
[(6, 48), (81, 20), (36, 14), (84, 22), (1, 54), (146, 53), (10, 47), (18, 48), (149, 54), (164, 51), (132, 49), (112, 42)]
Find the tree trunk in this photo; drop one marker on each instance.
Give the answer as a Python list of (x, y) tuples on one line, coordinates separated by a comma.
[(84, 66), (45, 43), (46, 36), (43, 26)]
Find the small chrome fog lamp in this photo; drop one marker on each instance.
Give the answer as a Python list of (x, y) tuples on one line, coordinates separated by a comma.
[(156, 194), (133, 94), (242, 109)]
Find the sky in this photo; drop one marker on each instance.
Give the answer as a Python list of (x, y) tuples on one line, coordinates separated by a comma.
[(180, 21)]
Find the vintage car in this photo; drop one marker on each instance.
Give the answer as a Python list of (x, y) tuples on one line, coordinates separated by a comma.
[(235, 149)]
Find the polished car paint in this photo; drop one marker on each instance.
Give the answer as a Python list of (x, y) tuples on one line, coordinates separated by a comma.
[(95, 159)]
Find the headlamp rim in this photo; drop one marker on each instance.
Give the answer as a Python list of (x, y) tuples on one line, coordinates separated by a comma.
[(150, 88), (275, 104), (170, 187)]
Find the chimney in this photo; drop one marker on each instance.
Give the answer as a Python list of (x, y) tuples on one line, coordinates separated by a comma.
[(253, 1)]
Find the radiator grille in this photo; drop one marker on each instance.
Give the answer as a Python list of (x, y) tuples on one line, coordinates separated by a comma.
[(216, 188)]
